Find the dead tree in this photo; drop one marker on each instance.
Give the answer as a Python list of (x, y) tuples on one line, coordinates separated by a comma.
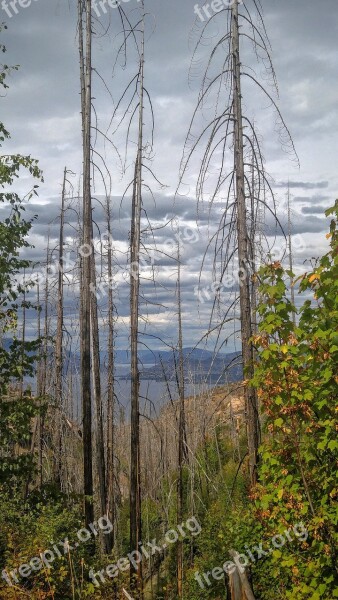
[(39, 393), (46, 324), (181, 429), (110, 509), (135, 244), (85, 49), (59, 327), (243, 250), (228, 160), (23, 334), (132, 103), (240, 587), (96, 368), (59, 341), (290, 255)]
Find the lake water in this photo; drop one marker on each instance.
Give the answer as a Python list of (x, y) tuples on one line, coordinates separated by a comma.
[(154, 394)]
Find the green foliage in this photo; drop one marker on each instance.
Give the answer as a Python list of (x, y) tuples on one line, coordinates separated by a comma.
[(18, 360), (226, 526), (220, 504), (45, 522), (297, 381)]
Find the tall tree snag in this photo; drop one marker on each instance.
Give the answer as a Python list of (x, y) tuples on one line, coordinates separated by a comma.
[(110, 509), (181, 429), (59, 342), (135, 240), (232, 173), (85, 45), (251, 403)]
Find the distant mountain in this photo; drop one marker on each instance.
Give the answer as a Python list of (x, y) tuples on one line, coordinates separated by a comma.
[(147, 357), (199, 366), (159, 365)]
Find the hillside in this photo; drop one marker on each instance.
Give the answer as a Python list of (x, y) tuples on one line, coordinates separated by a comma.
[(199, 366)]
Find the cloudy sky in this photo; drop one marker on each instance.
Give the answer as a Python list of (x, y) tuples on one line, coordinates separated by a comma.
[(42, 111)]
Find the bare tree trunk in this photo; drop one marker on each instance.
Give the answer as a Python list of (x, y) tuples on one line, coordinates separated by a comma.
[(95, 340), (181, 431), (59, 329), (253, 231), (43, 369), (85, 77), (23, 337), (239, 584), (290, 255), (135, 239), (46, 328), (39, 394), (252, 416), (89, 270), (59, 344), (111, 390)]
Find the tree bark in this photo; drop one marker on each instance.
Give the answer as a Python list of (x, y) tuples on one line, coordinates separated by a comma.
[(181, 431), (95, 341), (111, 390), (85, 309), (39, 394), (252, 417), (135, 239), (290, 255), (59, 344), (239, 584)]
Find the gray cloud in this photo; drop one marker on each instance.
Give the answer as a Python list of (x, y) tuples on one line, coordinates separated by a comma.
[(312, 210), (42, 112), (315, 199), (305, 185), (309, 225)]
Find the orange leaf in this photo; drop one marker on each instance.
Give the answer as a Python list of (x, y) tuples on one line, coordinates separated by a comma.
[(313, 277)]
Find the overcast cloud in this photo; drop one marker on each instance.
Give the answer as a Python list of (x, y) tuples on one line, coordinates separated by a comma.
[(41, 110)]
